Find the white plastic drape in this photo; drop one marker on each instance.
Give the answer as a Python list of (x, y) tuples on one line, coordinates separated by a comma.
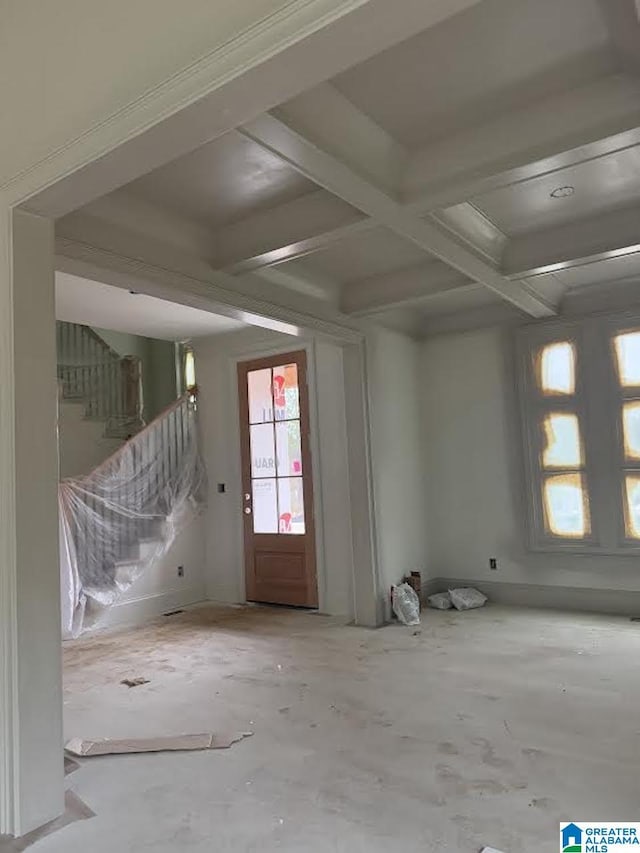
[(119, 520)]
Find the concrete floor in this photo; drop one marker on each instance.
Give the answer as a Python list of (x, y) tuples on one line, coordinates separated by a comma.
[(489, 727)]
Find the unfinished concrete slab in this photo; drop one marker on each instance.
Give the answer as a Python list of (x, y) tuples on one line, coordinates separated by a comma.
[(487, 728)]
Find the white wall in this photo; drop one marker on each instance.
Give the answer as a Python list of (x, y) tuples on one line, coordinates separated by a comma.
[(216, 360), (475, 485), (397, 448), (82, 444)]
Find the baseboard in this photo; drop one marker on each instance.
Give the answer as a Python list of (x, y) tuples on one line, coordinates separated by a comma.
[(622, 602), (139, 610)]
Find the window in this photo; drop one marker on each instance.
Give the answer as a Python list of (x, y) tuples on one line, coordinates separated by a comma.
[(189, 369), (580, 394)]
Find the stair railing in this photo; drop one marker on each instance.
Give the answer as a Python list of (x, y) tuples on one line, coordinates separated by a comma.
[(110, 386), (141, 494)]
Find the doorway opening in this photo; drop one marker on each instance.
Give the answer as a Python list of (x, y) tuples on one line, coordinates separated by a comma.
[(277, 481)]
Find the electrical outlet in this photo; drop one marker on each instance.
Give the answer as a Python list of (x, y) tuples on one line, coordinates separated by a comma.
[(493, 563), (180, 571)]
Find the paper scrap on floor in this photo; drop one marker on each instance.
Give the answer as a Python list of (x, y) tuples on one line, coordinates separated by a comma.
[(490, 850), (120, 746)]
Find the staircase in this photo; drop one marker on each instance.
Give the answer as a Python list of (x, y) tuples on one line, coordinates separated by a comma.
[(106, 385), (123, 516)]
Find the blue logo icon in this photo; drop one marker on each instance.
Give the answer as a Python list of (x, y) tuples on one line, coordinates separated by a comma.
[(571, 839)]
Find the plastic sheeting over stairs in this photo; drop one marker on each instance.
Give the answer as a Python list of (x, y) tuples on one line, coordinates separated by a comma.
[(145, 493)]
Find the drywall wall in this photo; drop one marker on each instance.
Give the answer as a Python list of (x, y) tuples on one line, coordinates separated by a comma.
[(82, 444), (216, 360), (475, 484), (393, 362), (160, 589)]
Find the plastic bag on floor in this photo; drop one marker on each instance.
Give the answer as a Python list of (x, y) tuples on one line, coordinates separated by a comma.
[(466, 598), (440, 600), (406, 604)]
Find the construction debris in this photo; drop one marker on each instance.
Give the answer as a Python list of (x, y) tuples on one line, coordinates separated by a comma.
[(134, 682), (406, 604), (174, 743), (490, 850), (467, 598)]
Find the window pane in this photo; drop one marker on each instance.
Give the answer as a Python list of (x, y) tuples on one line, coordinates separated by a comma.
[(263, 456), (189, 369), (563, 447), (631, 426), (291, 500), (285, 392), (260, 400), (565, 506), (557, 369), (265, 506), (288, 449), (628, 357), (632, 505)]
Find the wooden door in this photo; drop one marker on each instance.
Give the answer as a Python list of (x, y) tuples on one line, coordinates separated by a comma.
[(277, 486)]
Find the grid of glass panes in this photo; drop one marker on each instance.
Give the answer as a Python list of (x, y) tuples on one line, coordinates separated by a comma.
[(276, 450), (565, 500), (627, 357)]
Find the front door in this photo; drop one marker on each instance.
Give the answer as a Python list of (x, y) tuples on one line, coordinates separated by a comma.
[(277, 487)]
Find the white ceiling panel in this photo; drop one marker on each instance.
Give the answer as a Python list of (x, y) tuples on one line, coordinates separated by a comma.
[(496, 56), (80, 300), (371, 253), (598, 185), (222, 182)]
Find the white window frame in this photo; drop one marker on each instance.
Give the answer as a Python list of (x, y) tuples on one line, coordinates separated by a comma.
[(598, 403)]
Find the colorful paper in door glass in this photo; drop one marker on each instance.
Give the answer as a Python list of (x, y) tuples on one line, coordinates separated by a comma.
[(285, 392), (556, 369), (263, 455), (632, 506), (289, 449), (260, 399), (631, 428), (265, 506), (627, 349), (563, 448), (565, 506), (291, 505)]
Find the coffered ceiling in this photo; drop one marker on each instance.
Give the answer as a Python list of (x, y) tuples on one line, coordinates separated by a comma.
[(486, 167)]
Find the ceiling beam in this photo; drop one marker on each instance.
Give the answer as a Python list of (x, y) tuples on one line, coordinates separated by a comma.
[(291, 251), (403, 289), (543, 138), (348, 134), (278, 231), (606, 235), (311, 160)]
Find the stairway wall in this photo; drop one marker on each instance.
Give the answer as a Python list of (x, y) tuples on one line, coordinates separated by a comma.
[(82, 444)]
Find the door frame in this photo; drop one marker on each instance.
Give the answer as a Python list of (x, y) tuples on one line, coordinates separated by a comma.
[(308, 486), (254, 354)]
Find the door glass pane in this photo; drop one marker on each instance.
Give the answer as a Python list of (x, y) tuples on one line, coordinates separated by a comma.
[(563, 448), (285, 392), (291, 505), (627, 349), (632, 505), (289, 449), (556, 369), (631, 426), (265, 506), (565, 506), (260, 400), (263, 456)]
